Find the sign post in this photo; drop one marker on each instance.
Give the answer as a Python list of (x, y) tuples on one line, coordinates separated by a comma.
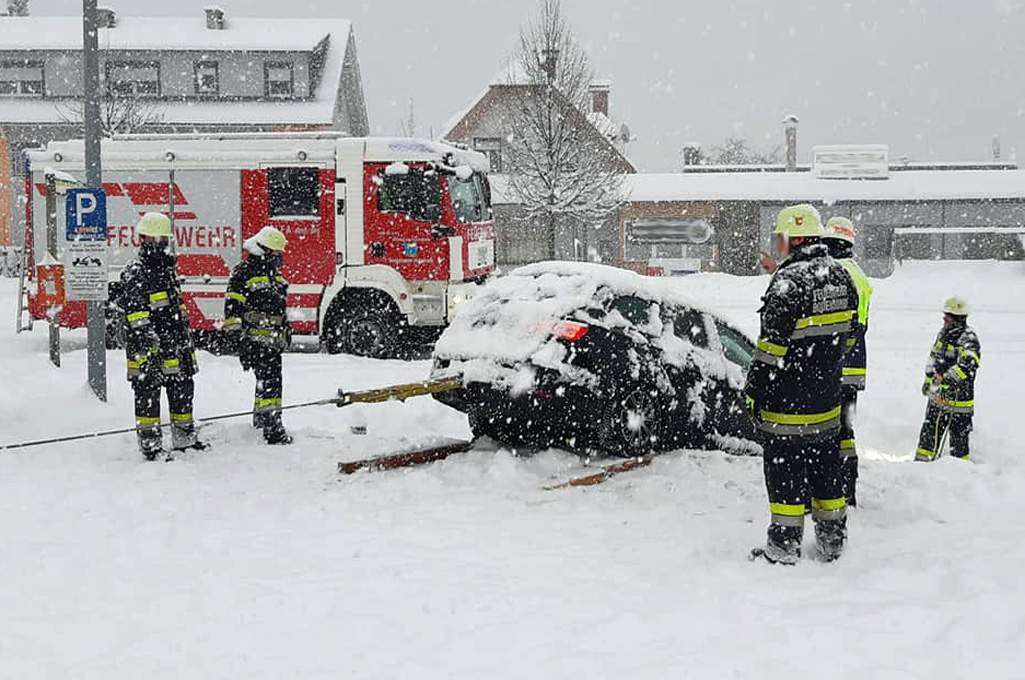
[(85, 249), (96, 326), (51, 257)]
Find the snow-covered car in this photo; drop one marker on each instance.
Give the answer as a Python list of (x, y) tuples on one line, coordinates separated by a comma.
[(596, 359)]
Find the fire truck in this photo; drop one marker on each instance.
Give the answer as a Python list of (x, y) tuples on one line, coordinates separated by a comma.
[(385, 236)]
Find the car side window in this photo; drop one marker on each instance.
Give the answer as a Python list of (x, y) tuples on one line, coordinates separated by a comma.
[(690, 326), (735, 346)]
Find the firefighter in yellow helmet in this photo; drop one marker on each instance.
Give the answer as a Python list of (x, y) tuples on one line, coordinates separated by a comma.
[(839, 238), (950, 385), (158, 341), (792, 390), (256, 321)]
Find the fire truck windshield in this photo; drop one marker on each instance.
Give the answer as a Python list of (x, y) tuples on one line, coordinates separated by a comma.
[(414, 192), (469, 198)]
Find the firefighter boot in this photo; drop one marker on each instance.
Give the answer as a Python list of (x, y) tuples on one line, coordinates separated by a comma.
[(184, 435), (783, 545), (151, 442), (830, 538), (274, 431)]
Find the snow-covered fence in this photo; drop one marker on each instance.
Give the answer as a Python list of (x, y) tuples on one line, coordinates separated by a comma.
[(10, 261)]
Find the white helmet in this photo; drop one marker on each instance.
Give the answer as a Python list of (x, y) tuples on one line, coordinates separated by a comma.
[(270, 238), (154, 225), (841, 229), (955, 306)]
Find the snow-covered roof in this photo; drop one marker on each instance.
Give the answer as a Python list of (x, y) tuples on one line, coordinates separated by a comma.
[(171, 33), (190, 33), (803, 186)]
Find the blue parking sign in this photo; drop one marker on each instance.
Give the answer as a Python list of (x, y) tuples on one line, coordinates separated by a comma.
[(86, 211)]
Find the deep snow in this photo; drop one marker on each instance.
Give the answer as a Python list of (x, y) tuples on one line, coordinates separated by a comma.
[(258, 562)]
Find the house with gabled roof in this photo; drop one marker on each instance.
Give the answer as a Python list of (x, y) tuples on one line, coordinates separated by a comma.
[(483, 126)]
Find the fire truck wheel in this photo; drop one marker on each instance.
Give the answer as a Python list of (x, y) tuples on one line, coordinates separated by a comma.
[(367, 326)]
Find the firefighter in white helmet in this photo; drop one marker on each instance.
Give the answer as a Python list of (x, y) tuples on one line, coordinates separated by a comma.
[(839, 238), (158, 340), (950, 385), (256, 321)]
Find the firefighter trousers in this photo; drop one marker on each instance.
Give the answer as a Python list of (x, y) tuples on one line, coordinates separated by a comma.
[(180, 390), (796, 468), (266, 363), (848, 448), (939, 424)]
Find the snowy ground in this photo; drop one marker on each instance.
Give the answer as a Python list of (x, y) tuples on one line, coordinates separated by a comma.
[(260, 562)]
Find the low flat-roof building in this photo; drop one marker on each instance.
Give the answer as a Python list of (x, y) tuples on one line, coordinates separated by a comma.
[(952, 211)]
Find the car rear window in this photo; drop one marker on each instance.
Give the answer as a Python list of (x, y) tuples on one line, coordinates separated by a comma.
[(634, 309)]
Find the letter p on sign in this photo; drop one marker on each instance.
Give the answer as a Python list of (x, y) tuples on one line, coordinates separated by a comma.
[(86, 213), (84, 204)]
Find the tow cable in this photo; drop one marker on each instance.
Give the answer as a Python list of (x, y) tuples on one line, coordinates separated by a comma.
[(377, 395)]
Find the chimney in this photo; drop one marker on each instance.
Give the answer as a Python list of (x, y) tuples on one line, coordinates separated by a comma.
[(106, 17), (996, 147), (790, 134), (214, 18), (691, 154), (599, 90)]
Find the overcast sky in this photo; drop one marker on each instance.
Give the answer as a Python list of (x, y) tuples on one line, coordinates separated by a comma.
[(936, 79)]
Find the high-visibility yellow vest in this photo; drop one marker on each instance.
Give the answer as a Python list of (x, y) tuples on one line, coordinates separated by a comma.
[(863, 286)]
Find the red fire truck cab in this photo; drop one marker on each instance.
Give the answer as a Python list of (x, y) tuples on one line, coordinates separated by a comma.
[(384, 235)]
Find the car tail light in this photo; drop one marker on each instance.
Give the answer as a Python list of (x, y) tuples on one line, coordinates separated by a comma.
[(570, 330), (567, 330)]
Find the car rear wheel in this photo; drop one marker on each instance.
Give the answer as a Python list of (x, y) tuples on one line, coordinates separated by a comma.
[(631, 424)]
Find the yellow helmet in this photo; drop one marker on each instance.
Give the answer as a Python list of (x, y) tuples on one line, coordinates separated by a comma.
[(841, 229), (955, 306), (799, 220), (154, 225), (271, 239)]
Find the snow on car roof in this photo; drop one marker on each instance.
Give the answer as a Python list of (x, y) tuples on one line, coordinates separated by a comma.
[(506, 331)]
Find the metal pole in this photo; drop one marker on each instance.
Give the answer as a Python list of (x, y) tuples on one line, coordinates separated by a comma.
[(96, 327), (51, 251)]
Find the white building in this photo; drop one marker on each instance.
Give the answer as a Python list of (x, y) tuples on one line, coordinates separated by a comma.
[(209, 72)]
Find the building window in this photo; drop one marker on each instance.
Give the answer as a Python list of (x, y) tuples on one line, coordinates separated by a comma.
[(279, 78), (21, 78), (207, 78), (492, 148), (293, 192), (133, 78)]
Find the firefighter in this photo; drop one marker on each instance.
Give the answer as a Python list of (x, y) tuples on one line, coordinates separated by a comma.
[(840, 234), (254, 316), (793, 387), (950, 385), (158, 341)]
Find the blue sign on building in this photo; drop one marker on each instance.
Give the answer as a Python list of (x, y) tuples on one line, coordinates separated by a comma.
[(86, 211)]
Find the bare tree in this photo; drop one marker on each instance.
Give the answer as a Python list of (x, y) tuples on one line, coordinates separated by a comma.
[(118, 115), (560, 168), (738, 151)]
